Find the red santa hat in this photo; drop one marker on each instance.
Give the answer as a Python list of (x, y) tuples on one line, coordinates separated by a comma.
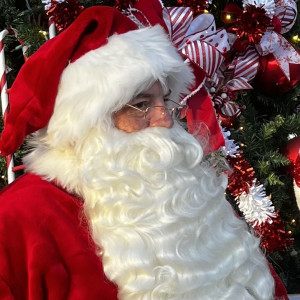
[(35, 91)]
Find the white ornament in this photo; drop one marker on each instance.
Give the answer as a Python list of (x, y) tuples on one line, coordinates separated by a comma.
[(224, 95), (212, 90)]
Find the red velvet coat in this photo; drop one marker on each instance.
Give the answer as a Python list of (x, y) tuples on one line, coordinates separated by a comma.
[(45, 249)]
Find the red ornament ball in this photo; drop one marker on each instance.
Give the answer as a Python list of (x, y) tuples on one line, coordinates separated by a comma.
[(270, 78), (291, 150)]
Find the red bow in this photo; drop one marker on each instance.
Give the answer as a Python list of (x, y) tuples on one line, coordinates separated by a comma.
[(199, 41)]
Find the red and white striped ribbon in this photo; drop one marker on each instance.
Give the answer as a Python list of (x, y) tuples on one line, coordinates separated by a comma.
[(4, 100), (237, 84), (230, 109), (241, 70), (246, 65), (206, 56), (287, 14), (197, 39), (177, 20)]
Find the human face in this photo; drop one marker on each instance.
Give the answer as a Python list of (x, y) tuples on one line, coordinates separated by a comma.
[(130, 120)]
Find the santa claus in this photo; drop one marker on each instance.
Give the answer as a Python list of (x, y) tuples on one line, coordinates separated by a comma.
[(116, 201)]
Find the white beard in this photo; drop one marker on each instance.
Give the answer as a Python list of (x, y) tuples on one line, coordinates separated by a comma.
[(161, 218)]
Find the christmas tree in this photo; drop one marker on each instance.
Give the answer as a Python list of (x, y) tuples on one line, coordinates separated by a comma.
[(253, 87)]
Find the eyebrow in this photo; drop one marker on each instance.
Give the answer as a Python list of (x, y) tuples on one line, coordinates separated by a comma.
[(168, 93), (146, 95), (143, 95)]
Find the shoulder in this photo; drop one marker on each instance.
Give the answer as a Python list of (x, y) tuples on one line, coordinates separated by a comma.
[(24, 183), (37, 212), (45, 246), (30, 195)]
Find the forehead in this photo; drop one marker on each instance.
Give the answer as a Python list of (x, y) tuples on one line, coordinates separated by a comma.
[(155, 90)]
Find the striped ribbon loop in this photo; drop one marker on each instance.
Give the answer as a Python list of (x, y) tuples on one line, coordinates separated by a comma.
[(197, 39), (230, 109), (240, 71), (287, 14), (178, 21), (206, 56), (238, 84), (246, 66)]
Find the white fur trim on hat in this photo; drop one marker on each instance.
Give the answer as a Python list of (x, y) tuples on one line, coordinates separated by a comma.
[(104, 80)]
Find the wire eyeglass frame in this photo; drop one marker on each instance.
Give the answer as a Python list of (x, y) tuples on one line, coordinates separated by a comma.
[(174, 111)]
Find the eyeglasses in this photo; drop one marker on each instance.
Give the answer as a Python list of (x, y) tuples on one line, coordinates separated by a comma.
[(178, 111)]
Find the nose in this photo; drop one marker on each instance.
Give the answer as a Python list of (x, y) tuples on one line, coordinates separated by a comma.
[(165, 121)]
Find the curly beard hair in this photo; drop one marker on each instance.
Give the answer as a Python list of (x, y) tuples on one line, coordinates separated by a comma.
[(159, 216)]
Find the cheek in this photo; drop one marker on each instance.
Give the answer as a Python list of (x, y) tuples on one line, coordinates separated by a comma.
[(129, 124)]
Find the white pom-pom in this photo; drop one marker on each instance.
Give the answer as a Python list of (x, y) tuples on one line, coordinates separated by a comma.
[(212, 90), (268, 5), (256, 206)]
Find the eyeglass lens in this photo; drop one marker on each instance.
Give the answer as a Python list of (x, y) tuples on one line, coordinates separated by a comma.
[(156, 112)]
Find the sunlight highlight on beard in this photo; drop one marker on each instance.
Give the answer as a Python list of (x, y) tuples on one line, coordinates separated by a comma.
[(160, 217), (157, 213)]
